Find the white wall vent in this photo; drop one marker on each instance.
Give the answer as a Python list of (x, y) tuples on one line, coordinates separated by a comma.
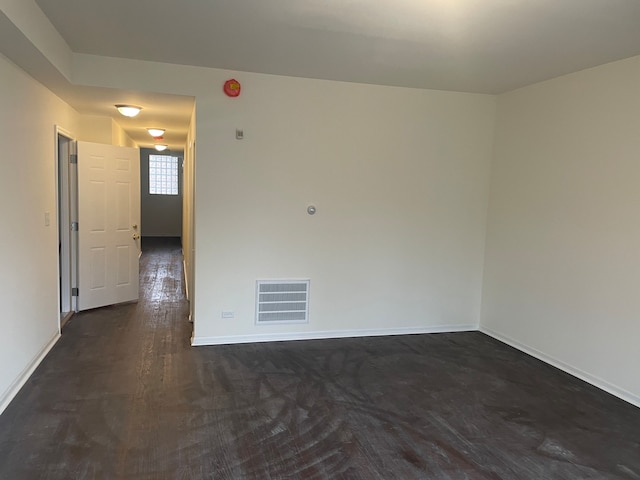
[(282, 301)]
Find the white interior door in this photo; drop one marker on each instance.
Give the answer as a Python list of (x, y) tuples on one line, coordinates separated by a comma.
[(108, 224)]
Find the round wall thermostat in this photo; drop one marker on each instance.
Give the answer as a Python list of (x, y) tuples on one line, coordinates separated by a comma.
[(311, 210)]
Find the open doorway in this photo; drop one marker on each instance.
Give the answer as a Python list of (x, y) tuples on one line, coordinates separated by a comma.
[(161, 193), (98, 256), (103, 125), (67, 204)]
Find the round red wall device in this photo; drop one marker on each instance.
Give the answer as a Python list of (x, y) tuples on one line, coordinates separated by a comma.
[(232, 87)]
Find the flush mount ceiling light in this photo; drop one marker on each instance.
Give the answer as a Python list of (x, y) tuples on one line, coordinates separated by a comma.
[(155, 132), (128, 110), (160, 148)]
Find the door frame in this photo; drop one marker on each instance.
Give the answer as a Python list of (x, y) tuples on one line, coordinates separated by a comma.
[(66, 214)]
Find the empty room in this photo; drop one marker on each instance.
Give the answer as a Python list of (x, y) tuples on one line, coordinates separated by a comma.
[(403, 239)]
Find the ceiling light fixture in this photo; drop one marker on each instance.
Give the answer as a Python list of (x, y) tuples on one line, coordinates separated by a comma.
[(155, 132), (160, 148), (128, 110)]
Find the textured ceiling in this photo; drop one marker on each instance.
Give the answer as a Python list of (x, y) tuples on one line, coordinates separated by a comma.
[(487, 46)]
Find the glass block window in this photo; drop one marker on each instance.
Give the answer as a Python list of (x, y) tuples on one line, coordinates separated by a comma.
[(163, 175)]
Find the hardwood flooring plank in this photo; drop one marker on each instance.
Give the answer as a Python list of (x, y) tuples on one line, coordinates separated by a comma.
[(124, 396)]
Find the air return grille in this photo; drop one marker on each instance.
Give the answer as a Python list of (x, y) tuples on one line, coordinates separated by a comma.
[(282, 301)]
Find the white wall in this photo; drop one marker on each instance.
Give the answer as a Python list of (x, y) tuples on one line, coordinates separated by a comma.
[(97, 129), (161, 215), (400, 181), (188, 227), (29, 253), (399, 176), (563, 244), (119, 137)]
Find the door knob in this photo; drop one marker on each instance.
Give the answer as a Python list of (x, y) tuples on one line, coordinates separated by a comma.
[(136, 236)]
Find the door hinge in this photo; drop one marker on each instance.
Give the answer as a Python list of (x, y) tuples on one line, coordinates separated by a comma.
[(75, 291), (74, 226), (73, 158)]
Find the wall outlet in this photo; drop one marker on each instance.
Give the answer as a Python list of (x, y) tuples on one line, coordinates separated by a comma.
[(227, 314)]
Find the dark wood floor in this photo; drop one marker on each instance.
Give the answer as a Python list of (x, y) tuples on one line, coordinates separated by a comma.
[(124, 396)]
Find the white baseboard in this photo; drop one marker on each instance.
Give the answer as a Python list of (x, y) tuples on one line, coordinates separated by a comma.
[(19, 382), (279, 337), (565, 367)]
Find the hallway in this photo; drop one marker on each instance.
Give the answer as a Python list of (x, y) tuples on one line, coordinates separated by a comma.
[(124, 396), (102, 397)]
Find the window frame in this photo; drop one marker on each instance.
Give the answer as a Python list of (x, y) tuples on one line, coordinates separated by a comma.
[(164, 175)]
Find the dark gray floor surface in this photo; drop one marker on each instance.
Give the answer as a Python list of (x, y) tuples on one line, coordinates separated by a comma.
[(123, 396)]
